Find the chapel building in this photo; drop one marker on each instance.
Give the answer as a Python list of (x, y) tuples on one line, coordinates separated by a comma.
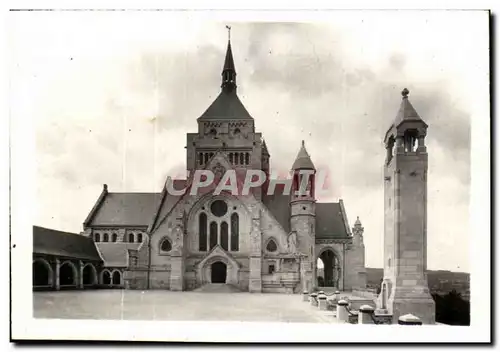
[(256, 242)]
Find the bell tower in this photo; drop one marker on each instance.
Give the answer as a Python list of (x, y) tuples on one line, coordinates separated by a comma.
[(404, 287)]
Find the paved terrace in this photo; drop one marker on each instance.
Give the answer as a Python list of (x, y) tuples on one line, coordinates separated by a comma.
[(167, 305)]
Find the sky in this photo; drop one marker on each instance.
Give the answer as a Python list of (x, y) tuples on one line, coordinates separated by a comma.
[(111, 96)]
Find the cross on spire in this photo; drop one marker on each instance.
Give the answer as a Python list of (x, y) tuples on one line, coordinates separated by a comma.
[(228, 33)]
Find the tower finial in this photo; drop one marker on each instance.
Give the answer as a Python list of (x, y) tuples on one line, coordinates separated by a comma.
[(228, 33), (303, 143), (405, 93)]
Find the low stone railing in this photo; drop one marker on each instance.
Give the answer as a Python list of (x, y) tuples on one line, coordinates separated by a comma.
[(365, 315)]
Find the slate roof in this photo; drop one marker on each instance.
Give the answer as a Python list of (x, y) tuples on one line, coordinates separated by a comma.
[(227, 106), (63, 244), (229, 62), (330, 221), (126, 209), (303, 160), (279, 206), (115, 254)]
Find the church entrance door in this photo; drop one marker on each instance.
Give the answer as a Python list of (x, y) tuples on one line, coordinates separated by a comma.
[(219, 273)]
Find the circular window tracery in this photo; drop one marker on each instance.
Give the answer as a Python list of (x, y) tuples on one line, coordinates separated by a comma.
[(166, 245), (218, 208)]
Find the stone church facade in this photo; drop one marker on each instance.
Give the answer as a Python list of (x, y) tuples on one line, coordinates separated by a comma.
[(257, 242)]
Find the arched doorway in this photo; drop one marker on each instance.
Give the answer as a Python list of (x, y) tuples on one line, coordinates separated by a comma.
[(42, 273), (219, 273), (67, 274), (331, 269), (89, 275), (117, 278), (106, 278)]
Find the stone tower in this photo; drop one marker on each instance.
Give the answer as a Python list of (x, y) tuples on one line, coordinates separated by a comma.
[(303, 213), (355, 259), (227, 127), (404, 287)]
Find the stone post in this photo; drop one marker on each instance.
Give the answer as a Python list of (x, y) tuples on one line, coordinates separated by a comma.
[(409, 319), (57, 281), (342, 313), (80, 274), (305, 296), (322, 301), (314, 301), (365, 314)]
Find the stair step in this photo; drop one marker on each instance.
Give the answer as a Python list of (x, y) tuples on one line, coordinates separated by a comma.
[(217, 288)]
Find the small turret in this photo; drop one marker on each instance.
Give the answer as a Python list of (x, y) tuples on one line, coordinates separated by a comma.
[(303, 175)]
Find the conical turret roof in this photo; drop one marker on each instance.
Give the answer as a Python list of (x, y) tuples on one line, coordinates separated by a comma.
[(406, 111), (303, 160)]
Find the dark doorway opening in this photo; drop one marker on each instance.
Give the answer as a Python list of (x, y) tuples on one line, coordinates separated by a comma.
[(67, 275), (41, 274), (106, 278), (331, 270), (88, 275), (219, 273), (117, 278)]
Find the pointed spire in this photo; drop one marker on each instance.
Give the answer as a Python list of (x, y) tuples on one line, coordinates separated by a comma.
[(228, 72), (303, 160), (406, 111)]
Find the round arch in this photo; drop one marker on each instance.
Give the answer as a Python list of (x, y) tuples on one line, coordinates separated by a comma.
[(68, 274), (43, 275), (106, 277), (89, 274), (332, 268), (116, 278), (204, 268)]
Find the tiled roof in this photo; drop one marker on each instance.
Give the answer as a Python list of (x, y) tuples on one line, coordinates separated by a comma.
[(115, 254), (126, 209), (330, 221), (227, 106), (63, 244)]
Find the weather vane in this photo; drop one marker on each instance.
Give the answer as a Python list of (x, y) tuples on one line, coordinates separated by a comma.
[(229, 32)]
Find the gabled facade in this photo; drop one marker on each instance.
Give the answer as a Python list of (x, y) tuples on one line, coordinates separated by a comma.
[(256, 242)]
